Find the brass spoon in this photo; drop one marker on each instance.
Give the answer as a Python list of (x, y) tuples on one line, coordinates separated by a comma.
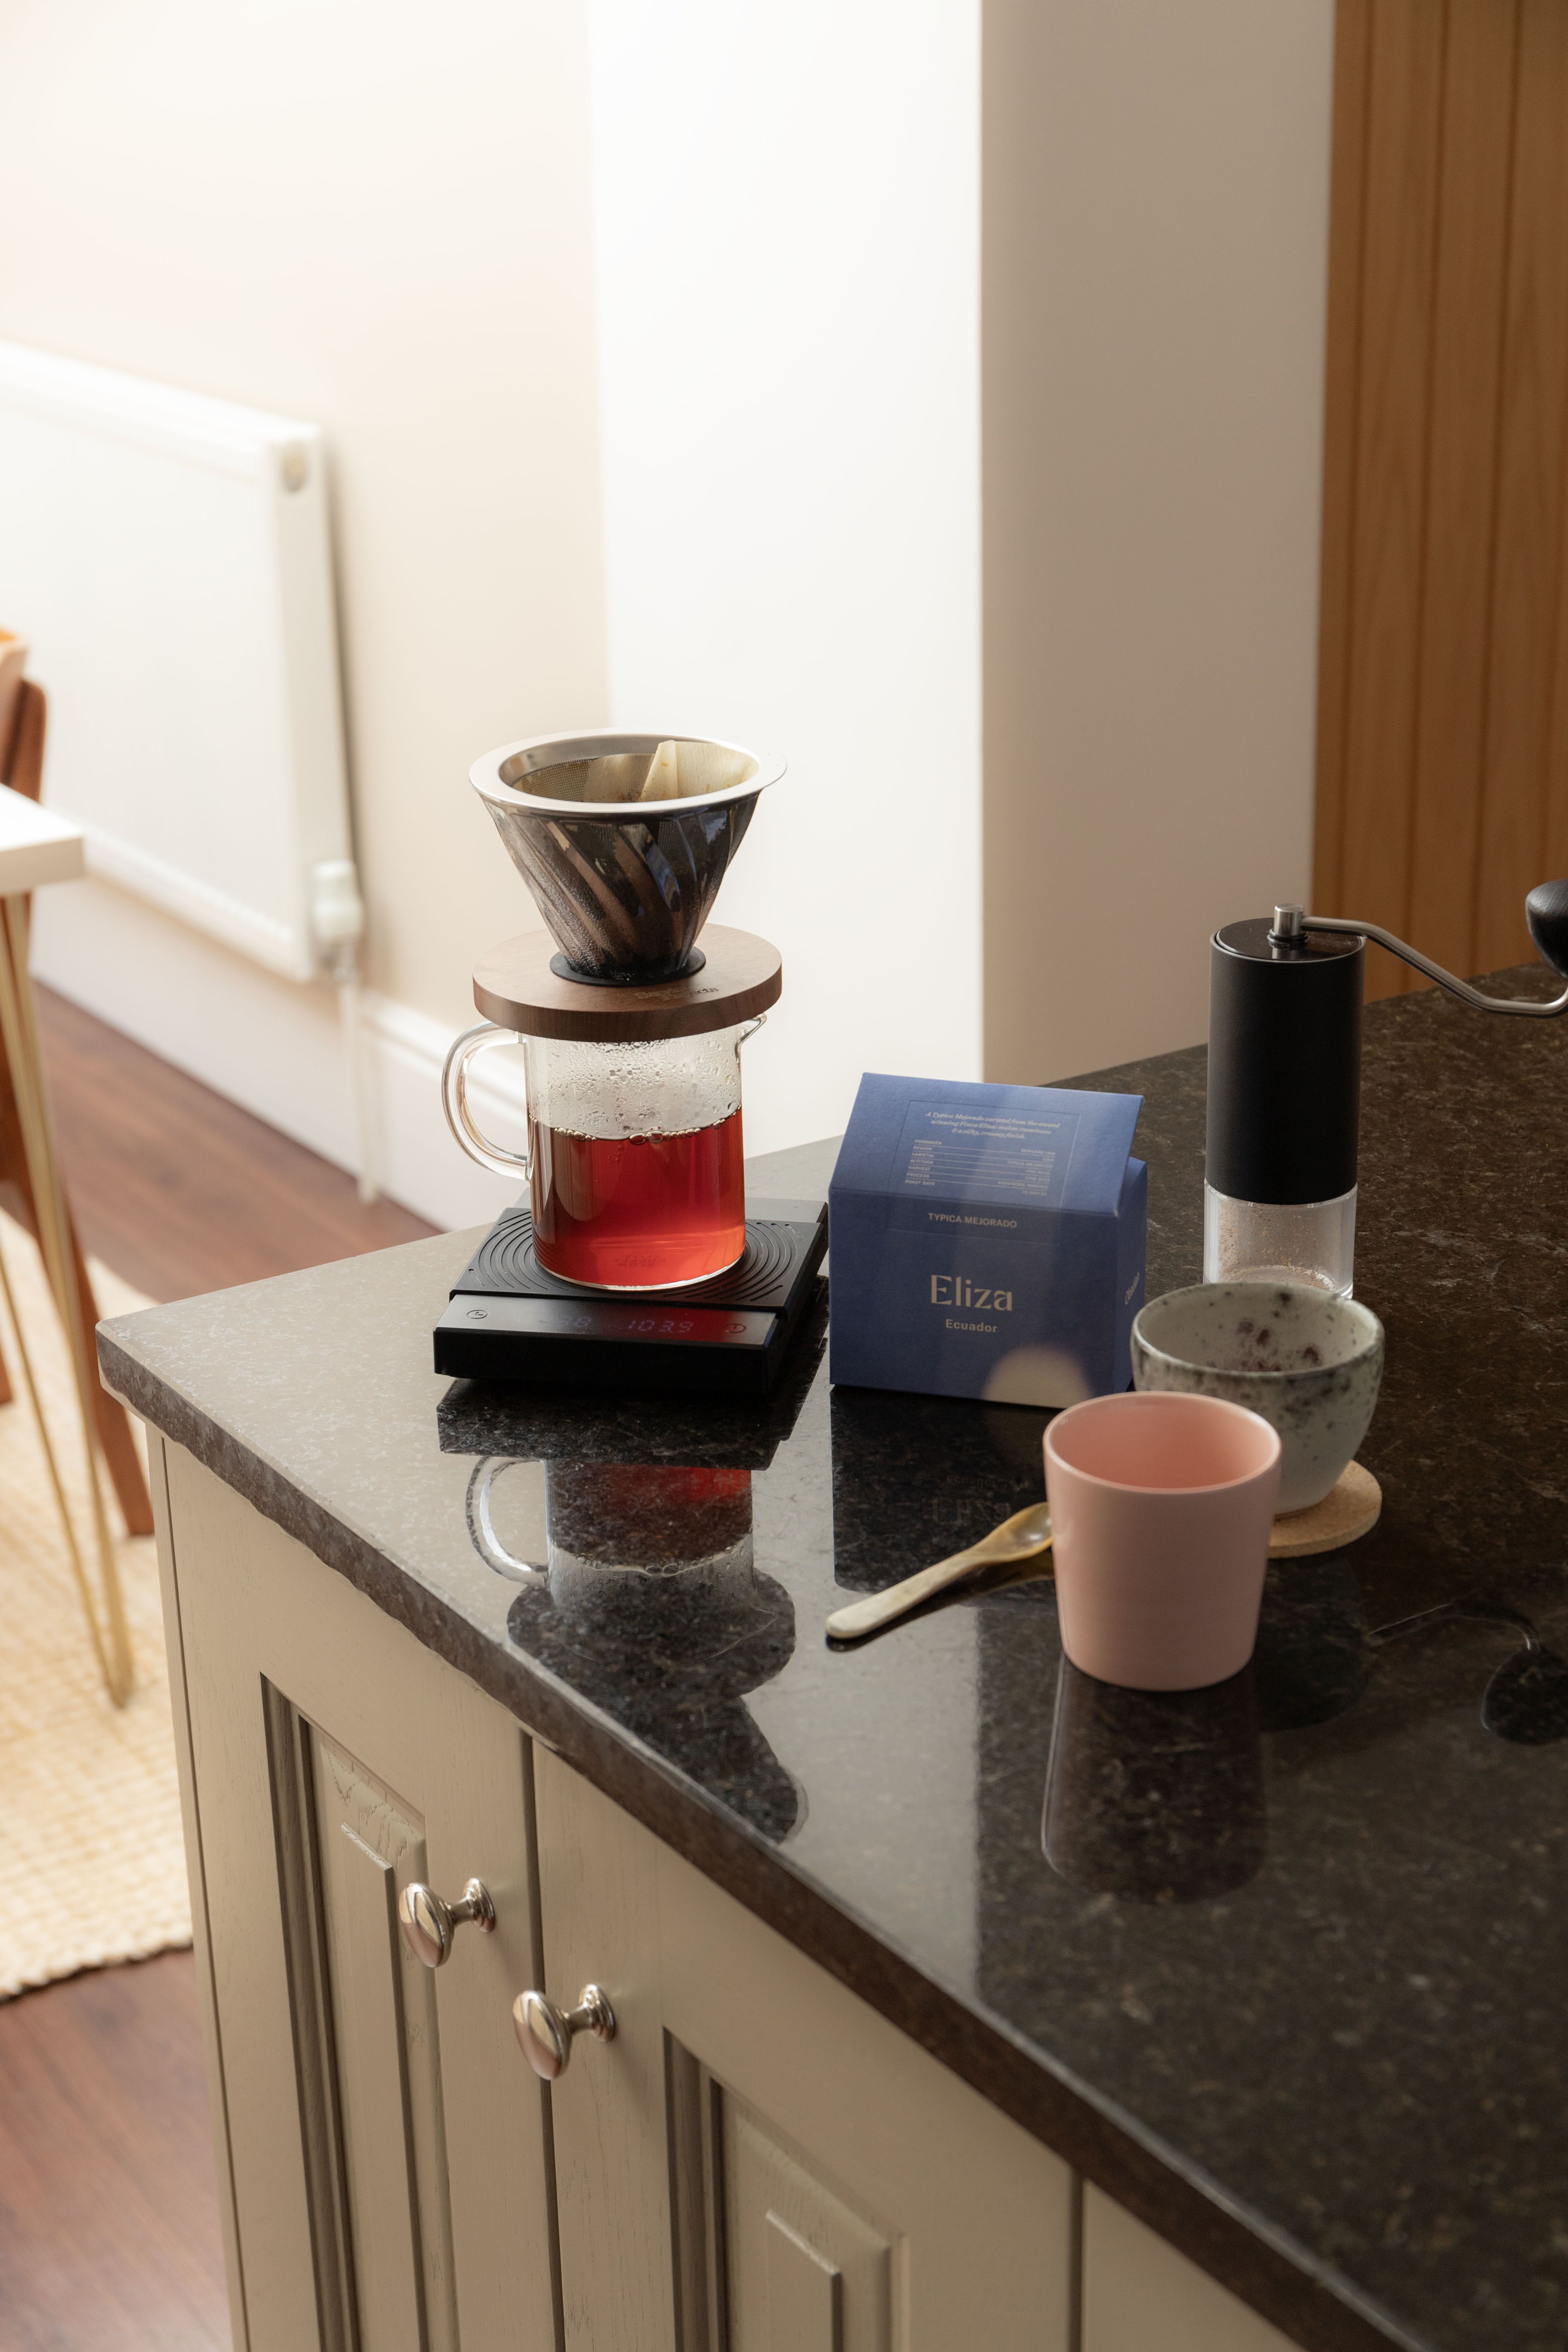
[(1020, 1538)]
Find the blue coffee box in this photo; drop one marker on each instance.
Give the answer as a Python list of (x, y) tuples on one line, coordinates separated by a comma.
[(986, 1241)]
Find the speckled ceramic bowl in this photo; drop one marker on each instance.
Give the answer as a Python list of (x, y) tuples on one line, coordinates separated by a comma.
[(1308, 1362)]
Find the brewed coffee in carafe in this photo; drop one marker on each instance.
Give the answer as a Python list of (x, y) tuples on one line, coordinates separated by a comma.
[(636, 1176)]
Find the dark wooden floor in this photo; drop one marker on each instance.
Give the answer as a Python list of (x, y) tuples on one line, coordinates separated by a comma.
[(181, 1191), (109, 2217), (109, 2221)]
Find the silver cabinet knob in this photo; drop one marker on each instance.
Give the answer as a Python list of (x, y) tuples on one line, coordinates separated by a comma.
[(430, 1925), (544, 2030)]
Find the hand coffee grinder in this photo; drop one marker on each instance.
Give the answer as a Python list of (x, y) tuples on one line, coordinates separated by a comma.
[(1284, 1083), (629, 1262)]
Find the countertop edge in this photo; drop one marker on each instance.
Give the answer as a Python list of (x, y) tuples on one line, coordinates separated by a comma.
[(1320, 2312)]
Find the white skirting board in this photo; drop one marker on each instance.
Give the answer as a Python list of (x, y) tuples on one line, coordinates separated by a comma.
[(277, 1047)]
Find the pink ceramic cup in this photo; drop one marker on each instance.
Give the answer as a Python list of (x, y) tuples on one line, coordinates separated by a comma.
[(1161, 1504)]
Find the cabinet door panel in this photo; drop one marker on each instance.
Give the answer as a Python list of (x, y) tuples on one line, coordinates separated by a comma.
[(388, 2062), (864, 2148), (978, 2214), (598, 1900), (274, 1642), (1141, 2296), (805, 2310), (803, 2270)]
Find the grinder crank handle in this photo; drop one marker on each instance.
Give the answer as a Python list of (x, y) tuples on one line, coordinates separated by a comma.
[(1545, 910)]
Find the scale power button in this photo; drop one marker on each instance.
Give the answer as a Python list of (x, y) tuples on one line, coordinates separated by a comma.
[(478, 1314)]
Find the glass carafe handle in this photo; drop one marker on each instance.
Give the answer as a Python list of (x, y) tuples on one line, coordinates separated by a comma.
[(455, 1102)]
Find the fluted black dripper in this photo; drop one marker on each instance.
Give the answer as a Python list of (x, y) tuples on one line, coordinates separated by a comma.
[(624, 839)]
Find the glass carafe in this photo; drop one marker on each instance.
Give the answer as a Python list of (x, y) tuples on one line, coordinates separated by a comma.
[(635, 1161)]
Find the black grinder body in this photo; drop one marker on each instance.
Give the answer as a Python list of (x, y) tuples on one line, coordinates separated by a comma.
[(1284, 1070)]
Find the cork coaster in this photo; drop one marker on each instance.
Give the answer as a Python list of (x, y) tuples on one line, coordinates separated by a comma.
[(1350, 1509)]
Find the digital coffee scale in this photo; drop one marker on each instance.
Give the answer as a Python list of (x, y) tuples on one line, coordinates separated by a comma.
[(511, 1319)]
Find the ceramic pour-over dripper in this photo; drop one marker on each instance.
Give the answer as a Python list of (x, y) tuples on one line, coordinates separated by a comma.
[(624, 839)]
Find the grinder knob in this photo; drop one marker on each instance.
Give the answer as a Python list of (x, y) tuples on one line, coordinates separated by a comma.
[(1546, 912)]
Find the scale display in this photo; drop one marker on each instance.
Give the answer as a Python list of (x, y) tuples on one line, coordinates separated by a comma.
[(705, 1326)]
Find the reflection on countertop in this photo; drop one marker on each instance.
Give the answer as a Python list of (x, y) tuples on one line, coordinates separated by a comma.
[(1156, 1795), (1280, 1965), (651, 1604)]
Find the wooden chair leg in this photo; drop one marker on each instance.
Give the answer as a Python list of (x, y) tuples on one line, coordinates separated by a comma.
[(22, 766), (24, 755), (106, 1621), (109, 1417), (114, 1421)]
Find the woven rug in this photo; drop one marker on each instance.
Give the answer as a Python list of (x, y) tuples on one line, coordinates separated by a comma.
[(92, 1862)]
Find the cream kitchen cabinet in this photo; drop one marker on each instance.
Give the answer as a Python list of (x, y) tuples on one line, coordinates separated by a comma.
[(384, 2152), (757, 2161)]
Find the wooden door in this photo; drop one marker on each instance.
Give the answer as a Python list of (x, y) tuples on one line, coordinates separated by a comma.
[(759, 2162), (1443, 690), (385, 2149)]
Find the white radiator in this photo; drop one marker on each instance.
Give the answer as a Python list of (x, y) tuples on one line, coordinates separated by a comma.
[(167, 558)]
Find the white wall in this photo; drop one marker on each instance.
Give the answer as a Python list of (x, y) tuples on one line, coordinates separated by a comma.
[(381, 219), (375, 217), (788, 282), (1156, 223), (360, 213), (648, 343)]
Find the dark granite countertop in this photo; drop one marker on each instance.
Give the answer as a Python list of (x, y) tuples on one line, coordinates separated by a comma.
[(1289, 1985)]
